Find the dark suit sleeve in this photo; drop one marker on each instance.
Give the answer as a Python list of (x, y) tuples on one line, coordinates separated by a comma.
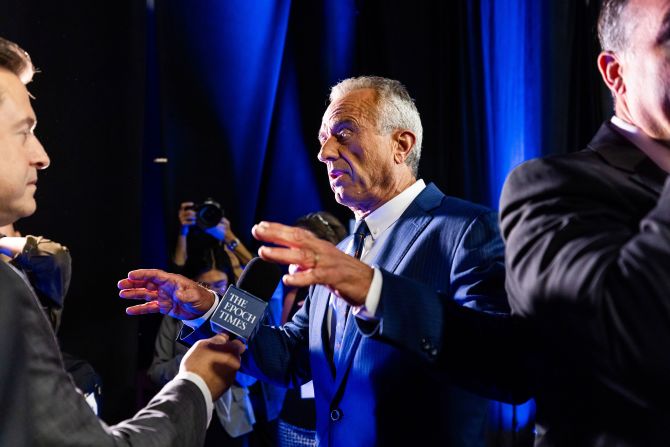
[(167, 354), (280, 355), (58, 414), (14, 417), (593, 279), (176, 416)]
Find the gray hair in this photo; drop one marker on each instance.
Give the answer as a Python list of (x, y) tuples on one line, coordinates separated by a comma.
[(395, 109), (613, 29)]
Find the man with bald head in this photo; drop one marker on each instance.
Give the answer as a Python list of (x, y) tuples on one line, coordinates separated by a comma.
[(40, 405), (588, 251)]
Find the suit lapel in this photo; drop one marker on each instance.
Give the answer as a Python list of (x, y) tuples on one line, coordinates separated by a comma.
[(406, 230), (319, 337)]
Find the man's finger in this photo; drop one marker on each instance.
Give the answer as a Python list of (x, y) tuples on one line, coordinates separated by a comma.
[(139, 294), (153, 275), (131, 284), (283, 235), (221, 338), (151, 307), (235, 347), (239, 346), (304, 259), (300, 279)]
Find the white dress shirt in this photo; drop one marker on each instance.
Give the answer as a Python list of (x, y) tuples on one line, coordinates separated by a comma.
[(380, 222)]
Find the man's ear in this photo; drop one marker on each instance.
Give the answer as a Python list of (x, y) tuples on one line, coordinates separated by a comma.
[(611, 70), (405, 141)]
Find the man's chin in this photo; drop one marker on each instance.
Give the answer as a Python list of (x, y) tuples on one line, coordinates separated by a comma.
[(341, 198), (26, 209)]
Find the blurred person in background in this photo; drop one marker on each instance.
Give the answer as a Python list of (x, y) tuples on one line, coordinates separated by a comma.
[(233, 420), (211, 254), (194, 240)]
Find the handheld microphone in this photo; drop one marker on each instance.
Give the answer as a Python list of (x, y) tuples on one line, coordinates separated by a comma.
[(243, 305)]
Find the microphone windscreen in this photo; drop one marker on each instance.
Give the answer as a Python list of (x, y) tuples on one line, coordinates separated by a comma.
[(260, 278)]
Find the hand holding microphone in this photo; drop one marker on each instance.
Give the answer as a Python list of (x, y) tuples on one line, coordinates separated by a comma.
[(241, 308), (216, 360)]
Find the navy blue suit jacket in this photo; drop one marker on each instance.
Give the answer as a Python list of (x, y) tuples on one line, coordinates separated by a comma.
[(375, 392)]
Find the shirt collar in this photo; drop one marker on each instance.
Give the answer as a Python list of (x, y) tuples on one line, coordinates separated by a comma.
[(636, 136), (383, 217)]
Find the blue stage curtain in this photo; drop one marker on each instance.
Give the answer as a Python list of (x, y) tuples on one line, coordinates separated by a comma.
[(231, 106)]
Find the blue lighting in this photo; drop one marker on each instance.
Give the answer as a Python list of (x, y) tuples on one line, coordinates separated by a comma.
[(338, 43), (511, 46), (240, 45)]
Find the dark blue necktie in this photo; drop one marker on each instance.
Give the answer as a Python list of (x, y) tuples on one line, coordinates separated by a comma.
[(339, 317)]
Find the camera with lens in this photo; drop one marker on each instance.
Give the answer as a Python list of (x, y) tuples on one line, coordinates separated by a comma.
[(208, 214)]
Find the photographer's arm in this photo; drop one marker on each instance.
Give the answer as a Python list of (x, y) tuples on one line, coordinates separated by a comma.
[(235, 245), (186, 219)]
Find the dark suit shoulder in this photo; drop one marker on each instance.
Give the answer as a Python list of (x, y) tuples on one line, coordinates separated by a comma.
[(453, 207), (585, 174), (557, 168)]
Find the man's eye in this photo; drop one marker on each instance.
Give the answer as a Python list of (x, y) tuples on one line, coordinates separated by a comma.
[(344, 133), (25, 133)]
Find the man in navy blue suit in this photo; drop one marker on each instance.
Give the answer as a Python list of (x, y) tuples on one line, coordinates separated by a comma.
[(372, 329)]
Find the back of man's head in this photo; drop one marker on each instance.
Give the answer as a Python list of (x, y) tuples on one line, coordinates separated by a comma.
[(613, 28), (395, 109)]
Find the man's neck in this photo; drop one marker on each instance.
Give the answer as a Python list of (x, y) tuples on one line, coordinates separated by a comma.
[(657, 151), (363, 210)]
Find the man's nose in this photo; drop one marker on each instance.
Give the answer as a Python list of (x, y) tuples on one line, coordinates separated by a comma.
[(40, 159), (328, 150)]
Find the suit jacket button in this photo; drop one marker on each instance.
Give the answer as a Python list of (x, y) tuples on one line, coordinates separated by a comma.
[(335, 415)]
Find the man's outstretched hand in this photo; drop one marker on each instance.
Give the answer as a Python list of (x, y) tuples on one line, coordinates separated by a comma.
[(166, 293), (314, 261)]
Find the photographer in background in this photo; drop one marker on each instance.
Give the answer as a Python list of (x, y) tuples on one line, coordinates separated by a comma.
[(233, 420), (204, 228), (206, 239)]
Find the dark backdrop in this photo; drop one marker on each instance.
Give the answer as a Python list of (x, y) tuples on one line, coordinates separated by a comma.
[(232, 94)]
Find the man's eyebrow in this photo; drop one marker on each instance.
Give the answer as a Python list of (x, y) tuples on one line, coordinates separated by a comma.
[(26, 121), (336, 126)]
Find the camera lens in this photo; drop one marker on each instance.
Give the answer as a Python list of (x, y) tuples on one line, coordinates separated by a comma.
[(209, 214)]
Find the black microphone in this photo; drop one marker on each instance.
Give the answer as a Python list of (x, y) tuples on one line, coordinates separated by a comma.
[(243, 305)]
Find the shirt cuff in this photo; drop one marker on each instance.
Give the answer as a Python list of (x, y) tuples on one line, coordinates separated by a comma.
[(195, 324), (202, 386), (368, 311)]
